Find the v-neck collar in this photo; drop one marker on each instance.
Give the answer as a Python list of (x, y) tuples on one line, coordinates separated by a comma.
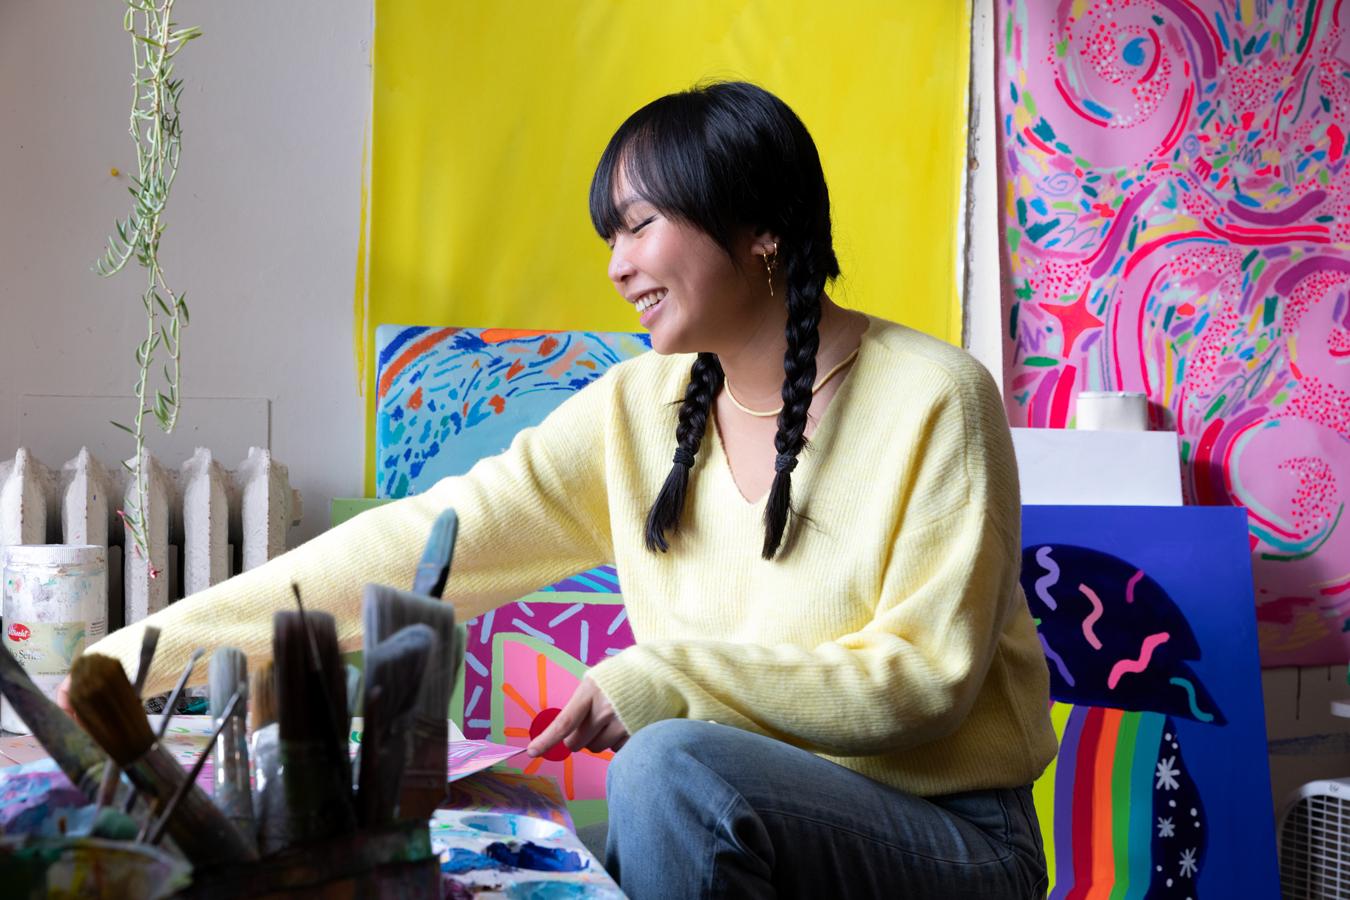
[(719, 461)]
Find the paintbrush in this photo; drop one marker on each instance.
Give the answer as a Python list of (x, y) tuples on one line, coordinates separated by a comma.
[(269, 799), (386, 611), (394, 675), (73, 750), (168, 709), (229, 689), (109, 708), (111, 775), (262, 696), (437, 555), (353, 692), (154, 829), (172, 702), (324, 668), (315, 767)]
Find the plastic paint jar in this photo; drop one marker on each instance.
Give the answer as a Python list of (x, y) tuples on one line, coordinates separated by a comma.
[(55, 602), (1112, 411)]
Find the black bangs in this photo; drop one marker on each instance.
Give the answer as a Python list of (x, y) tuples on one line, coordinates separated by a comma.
[(671, 156), (719, 156), (660, 152)]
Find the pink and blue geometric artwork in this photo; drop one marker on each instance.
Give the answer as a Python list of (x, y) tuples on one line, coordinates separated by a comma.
[(448, 397), (1161, 787)]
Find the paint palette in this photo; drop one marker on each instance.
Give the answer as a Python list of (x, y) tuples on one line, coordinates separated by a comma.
[(503, 855)]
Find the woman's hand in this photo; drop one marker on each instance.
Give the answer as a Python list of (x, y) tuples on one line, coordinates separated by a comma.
[(63, 697), (588, 720)]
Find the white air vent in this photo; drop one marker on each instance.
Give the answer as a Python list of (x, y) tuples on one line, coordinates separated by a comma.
[(1315, 842)]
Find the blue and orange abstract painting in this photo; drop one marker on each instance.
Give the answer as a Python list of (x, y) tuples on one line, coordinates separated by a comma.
[(447, 397), (1162, 785)]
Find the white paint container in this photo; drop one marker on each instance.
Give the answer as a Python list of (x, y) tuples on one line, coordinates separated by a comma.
[(1111, 411), (55, 603)]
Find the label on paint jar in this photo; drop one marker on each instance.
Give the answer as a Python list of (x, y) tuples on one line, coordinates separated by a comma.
[(47, 649)]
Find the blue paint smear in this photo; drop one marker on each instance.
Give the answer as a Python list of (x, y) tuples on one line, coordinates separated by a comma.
[(1098, 109), (530, 855), (462, 861), (1134, 52), (1038, 204)]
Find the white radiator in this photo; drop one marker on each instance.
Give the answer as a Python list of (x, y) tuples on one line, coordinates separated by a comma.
[(206, 522)]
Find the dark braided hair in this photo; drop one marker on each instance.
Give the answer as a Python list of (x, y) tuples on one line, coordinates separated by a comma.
[(722, 157)]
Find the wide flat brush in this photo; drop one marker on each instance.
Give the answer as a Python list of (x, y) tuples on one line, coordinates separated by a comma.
[(394, 671), (74, 751), (229, 690), (315, 768), (109, 708), (386, 611), (149, 641)]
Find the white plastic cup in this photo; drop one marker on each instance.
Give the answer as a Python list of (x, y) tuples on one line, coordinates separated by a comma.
[(55, 603), (1112, 411)]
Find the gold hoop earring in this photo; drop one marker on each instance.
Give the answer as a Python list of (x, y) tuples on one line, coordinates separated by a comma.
[(771, 265)]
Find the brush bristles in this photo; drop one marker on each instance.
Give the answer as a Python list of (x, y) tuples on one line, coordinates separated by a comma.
[(262, 691), (108, 707), (397, 667), (228, 674), (301, 712), (437, 556), (394, 672), (387, 610)]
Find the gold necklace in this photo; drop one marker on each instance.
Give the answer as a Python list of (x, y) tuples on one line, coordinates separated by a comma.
[(820, 383)]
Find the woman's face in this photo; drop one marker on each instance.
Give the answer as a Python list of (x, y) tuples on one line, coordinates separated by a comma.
[(686, 290)]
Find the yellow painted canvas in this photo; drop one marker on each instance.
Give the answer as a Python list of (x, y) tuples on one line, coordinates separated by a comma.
[(488, 120)]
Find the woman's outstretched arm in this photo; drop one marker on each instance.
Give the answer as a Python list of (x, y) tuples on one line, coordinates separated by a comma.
[(528, 517)]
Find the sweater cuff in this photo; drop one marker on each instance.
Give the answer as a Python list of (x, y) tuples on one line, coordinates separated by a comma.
[(639, 697)]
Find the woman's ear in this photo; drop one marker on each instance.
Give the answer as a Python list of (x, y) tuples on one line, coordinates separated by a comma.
[(765, 243)]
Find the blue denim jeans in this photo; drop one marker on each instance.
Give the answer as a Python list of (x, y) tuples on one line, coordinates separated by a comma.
[(704, 810)]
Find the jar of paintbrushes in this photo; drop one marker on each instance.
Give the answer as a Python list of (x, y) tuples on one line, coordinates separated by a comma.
[(290, 815)]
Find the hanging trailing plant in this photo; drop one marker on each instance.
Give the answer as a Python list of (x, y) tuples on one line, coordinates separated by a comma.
[(155, 128)]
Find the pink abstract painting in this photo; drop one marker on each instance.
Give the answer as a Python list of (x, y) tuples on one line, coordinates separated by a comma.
[(1176, 210)]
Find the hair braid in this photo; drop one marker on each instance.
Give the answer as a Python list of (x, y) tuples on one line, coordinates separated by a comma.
[(705, 380), (805, 284)]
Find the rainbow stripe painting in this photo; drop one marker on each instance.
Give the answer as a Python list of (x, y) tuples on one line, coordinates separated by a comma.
[(1161, 787), (1175, 187)]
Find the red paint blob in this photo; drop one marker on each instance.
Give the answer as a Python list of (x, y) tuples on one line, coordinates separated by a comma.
[(558, 752)]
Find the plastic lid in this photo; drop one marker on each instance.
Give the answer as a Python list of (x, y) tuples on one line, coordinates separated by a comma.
[(55, 554)]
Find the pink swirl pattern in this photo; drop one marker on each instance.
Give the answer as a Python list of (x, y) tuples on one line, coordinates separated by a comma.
[(1177, 217)]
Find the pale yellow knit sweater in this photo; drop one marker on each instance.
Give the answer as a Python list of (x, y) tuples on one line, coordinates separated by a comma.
[(890, 634)]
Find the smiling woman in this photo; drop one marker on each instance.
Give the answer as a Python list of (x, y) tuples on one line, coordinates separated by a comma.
[(836, 687)]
